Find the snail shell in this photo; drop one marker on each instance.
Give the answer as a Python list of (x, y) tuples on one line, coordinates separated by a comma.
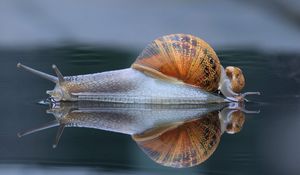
[(182, 145), (183, 58), (236, 77)]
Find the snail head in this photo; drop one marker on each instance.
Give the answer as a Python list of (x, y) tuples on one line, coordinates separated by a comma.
[(59, 92)]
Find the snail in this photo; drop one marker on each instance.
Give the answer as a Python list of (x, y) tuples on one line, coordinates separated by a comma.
[(171, 135), (173, 69)]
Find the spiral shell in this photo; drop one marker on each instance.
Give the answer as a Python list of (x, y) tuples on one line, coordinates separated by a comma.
[(182, 145), (236, 77), (181, 57)]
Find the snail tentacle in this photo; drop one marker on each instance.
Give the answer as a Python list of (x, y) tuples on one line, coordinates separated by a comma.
[(241, 107), (60, 77), (250, 93), (48, 125), (58, 135), (39, 73)]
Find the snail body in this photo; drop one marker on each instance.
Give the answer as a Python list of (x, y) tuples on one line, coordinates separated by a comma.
[(173, 69)]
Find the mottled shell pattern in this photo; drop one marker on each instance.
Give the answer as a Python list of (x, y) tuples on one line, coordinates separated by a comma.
[(236, 77), (237, 122), (181, 57), (185, 145)]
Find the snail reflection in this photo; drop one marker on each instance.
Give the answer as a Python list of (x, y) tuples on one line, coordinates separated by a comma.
[(171, 135)]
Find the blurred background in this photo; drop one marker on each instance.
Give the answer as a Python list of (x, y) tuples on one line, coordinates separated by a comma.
[(267, 24), (260, 36)]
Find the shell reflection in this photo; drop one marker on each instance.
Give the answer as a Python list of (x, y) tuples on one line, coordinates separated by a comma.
[(174, 136), (185, 145)]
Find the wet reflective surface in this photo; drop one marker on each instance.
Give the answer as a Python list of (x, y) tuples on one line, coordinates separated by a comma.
[(267, 143), (176, 136)]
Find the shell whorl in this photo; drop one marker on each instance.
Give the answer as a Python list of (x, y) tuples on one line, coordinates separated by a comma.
[(181, 57), (183, 145)]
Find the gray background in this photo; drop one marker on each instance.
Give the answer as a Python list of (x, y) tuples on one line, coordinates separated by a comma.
[(268, 25)]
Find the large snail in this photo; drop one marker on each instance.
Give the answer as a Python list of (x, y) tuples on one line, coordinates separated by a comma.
[(173, 69), (171, 135)]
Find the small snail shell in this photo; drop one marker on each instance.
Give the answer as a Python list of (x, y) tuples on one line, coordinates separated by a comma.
[(173, 69), (237, 120), (236, 78)]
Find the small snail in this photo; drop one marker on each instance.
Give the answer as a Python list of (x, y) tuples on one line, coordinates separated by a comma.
[(173, 69), (171, 135)]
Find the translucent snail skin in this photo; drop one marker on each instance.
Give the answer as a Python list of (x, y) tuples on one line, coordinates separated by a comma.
[(173, 69)]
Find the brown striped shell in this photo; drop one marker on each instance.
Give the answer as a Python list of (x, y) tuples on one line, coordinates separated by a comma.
[(236, 77), (181, 57), (182, 145)]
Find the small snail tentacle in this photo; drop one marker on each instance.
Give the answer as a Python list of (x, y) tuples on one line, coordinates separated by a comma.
[(249, 93), (241, 97), (241, 107), (60, 77)]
